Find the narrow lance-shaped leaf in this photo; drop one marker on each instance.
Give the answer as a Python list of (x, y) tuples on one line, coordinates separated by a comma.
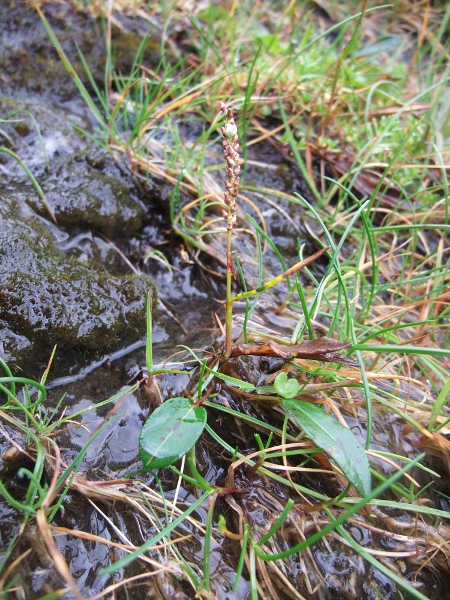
[(170, 431), (334, 439)]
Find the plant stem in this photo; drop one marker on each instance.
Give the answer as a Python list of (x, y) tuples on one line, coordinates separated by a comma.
[(229, 301)]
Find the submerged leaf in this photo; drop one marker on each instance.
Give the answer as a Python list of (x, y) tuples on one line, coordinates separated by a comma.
[(170, 431), (335, 440)]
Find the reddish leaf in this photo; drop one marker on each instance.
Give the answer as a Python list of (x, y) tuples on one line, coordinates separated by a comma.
[(323, 349)]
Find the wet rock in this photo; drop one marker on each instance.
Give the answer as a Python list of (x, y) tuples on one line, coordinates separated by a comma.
[(38, 133), (78, 195), (13, 346), (82, 184), (48, 298)]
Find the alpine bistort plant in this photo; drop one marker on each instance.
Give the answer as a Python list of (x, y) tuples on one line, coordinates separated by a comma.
[(231, 153)]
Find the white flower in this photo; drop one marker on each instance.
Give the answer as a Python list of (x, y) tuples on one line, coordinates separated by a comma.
[(230, 131)]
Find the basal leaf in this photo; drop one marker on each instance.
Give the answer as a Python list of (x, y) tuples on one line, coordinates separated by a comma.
[(170, 431), (334, 439)]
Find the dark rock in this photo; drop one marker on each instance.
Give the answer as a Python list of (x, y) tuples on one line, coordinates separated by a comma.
[(48, 298), (82, 184), (87, 198)]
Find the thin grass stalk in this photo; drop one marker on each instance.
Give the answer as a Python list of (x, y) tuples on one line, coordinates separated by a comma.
[(207, 544), (32, 179), (253, 576), (241, 562)]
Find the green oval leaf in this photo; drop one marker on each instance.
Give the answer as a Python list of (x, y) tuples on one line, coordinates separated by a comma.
[(284, 387), (335, 440), (170, 431)]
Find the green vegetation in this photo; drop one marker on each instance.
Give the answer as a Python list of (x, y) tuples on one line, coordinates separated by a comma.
[(360, 110)]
